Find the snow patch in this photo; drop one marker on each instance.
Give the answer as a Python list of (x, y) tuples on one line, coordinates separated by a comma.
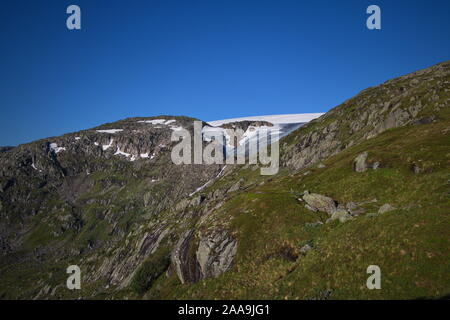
[(106, 146), (163, 122), (158, 121), (54, 147), (128, 155), (110, 131), (200, 188), (206, 184), (274, 119), (282, 125), (176, 128), (221, 171), (118, 152)]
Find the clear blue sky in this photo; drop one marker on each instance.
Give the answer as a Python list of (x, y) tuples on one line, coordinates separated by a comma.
[(210, 59)]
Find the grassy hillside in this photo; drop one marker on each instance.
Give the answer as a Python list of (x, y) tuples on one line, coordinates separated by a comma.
[(409, 244)]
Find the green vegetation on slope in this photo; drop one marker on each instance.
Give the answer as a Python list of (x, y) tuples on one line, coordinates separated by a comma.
[(410, 244)]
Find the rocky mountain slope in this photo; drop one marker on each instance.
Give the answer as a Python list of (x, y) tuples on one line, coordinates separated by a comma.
[(365, 184)]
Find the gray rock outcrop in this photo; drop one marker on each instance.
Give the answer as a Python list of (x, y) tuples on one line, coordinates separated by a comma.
[(359, 163), (215, 254), (320, 202), (185, 264)]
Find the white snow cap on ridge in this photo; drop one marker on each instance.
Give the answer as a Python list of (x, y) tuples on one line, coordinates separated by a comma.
[(163, 122), (275, 119), (158, 121), (283, 124), (110, 131)]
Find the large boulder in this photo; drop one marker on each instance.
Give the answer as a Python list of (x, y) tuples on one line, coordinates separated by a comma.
[(320, 202), (359, 164)]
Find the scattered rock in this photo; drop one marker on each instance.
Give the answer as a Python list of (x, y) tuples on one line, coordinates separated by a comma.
[(341, 215), (353, 209), (415, 168), (375, 165), (321, 165), (320, 202), (385, 208), (305, 248), (359, 163)]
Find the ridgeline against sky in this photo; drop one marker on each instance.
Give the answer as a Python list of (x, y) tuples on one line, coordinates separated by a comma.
[(206, 59)]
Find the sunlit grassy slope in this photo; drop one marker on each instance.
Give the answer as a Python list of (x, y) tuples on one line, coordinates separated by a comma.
[(409, 244)]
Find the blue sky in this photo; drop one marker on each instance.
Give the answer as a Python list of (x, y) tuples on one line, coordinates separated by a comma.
[(210, 59)]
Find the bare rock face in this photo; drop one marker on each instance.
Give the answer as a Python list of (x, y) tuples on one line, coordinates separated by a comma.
[(359, 163), (215, 254), (121, 266), (320, 202), (185, 264)]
